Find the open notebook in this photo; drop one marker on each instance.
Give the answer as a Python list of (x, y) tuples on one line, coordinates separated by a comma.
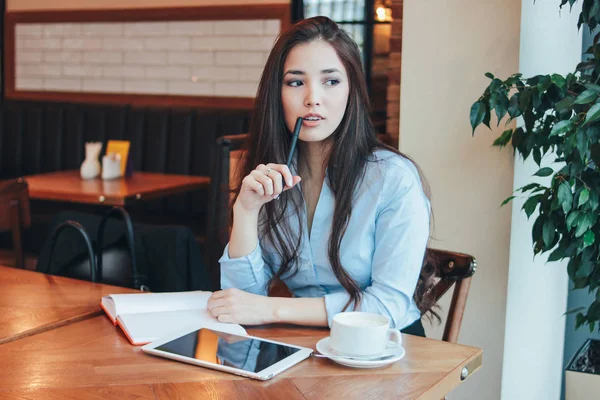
[(146, 317)]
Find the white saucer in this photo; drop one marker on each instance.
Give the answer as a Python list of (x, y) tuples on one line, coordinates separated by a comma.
[(397, 352)]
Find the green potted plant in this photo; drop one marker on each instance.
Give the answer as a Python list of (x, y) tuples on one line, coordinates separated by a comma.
[(560, 121)]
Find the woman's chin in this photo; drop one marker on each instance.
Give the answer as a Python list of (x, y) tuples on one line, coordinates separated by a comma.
[(314, 135)]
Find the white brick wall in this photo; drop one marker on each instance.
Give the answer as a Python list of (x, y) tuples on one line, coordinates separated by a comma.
[(190, 58)]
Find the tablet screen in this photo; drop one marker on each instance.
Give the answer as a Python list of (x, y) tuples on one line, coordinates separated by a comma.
[(239, 352)]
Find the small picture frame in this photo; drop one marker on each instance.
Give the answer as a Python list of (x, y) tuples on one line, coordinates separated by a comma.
[(120, 147)]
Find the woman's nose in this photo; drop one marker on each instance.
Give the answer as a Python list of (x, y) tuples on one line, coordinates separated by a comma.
[(313, 98)]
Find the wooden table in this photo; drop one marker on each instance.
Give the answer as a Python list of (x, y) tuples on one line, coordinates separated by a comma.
[(31, 302), (92, 359), (68, 186)]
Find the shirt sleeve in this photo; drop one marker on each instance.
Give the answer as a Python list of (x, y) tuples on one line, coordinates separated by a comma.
[(249, 273), (401, 236)]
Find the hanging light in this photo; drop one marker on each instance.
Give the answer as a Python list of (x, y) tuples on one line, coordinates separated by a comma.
[(383, 10)]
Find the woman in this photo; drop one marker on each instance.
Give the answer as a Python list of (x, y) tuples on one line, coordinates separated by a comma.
[(347, 225)]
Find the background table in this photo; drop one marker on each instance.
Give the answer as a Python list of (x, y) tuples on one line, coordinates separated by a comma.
[(68, 186), (31, 302)]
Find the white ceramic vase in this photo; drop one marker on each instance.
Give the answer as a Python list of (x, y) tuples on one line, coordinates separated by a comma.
[(90, 168)]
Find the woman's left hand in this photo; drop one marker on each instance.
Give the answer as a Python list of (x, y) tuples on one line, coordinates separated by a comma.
[(239, 307)]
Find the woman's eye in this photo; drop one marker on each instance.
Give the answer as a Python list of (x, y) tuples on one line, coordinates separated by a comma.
[(332, 82), (294, 83)]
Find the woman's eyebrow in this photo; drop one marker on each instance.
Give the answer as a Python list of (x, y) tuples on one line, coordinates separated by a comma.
[(299, 72), (294, 72)]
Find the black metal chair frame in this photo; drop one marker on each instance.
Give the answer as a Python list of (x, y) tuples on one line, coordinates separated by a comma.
[(90, 248)]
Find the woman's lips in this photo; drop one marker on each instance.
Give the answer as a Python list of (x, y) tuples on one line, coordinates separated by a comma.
[(311, 124)]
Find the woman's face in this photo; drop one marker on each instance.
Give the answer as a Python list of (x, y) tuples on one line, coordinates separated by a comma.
[(315, 87)]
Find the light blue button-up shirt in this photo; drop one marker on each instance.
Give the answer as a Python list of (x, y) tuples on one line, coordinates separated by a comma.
[(382, 249)]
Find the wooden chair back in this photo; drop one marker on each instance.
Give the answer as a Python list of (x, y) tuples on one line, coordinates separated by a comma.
[(15, 214), (227, 155), (451, 269)]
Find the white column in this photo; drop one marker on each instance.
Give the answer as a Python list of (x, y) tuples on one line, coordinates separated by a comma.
[(537, 291)]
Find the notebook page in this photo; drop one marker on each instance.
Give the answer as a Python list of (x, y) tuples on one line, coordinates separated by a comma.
[(143, 328), (156, 302)]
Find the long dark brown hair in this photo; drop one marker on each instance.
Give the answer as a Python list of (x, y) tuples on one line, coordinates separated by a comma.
[(354, 141)]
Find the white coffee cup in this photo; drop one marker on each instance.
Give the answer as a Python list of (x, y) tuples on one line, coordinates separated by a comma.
[(362, 334)]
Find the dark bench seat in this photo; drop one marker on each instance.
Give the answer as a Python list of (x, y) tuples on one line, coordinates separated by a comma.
[(38, 137)]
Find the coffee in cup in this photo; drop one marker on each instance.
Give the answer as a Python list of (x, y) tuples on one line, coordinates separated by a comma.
[(362, 334)]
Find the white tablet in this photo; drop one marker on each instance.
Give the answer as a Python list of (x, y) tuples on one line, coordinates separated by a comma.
[(237, 354)]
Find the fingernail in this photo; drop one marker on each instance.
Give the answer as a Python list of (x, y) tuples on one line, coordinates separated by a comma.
[(290, 182), (276, 197)]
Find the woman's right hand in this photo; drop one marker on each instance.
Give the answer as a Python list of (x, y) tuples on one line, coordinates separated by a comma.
[(263, 184)]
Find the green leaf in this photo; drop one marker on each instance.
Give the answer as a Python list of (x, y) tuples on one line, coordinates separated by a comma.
[(501, 107), (530, 186), (548, 232), (592, 325), (593, 114), (583, 224), (477, 114), (586, 97), (561, 127), (585, 269), (593, 86), (525, 100), (572, 265), (517, 138), (493, 99), (543, 85), (534, 80), (594, 201), (579, 320), (574, 310), (503, 139), (536, 233), (496, 83), (507, 200), (486, 118), (593, 312), (595, 8), (582, 143), (556, 255), (489, 75), (571, 219), (564, 104), (585, 65), (584, 196), (565, 196), (558, 80), (512, 79), (537, 155), (513, 106), (530, 205), (589, 238), (595, 153), (546, 171)]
